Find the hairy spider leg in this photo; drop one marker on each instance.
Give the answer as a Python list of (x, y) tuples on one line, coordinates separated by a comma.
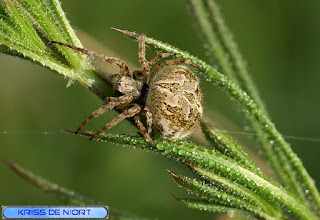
[(143, 129), (159, 57), (128, 112), (146, 65), (142, 54), (175, 61), (111, 103), (124, 70), (146, 111)]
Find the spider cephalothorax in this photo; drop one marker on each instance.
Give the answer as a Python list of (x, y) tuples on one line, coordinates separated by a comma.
[(170, 97), (127, 84)]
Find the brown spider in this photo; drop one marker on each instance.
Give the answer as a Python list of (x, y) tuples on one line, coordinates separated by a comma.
[(170, 97)]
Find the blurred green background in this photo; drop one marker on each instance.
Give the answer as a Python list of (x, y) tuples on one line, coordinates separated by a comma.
[(279, 39)]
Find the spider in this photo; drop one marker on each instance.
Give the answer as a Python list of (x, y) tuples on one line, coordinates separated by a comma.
[(170, 97)]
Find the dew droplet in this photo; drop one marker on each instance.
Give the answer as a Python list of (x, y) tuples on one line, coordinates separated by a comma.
[(182, 152), (160, 147)]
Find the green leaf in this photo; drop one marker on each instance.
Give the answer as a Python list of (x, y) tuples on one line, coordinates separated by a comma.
[(212, 194), (233, 188), (228, 146), (28, 26), (211, 207)]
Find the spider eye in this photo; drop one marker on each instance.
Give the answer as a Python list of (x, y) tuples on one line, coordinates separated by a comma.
[(127, 85)]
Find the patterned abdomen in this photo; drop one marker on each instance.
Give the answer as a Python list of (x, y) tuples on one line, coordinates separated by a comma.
[(175, 101)]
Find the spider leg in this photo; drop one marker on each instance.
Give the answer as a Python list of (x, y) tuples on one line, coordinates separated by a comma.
[(145, 67), (160, 56), (175, 61), (142, 55), (142, 58), (112, 60), (128, 112), (111, 103), (143, 129), (148, 114)]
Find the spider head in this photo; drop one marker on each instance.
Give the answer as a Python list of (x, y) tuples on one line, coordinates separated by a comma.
[(127, 84)]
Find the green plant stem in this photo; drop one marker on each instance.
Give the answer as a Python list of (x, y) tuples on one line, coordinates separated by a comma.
[(214, 161), (211, 25), (210, 37), (269, 129), (219, 39)]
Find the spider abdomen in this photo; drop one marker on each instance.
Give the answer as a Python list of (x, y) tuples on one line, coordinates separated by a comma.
[(175, 101)]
